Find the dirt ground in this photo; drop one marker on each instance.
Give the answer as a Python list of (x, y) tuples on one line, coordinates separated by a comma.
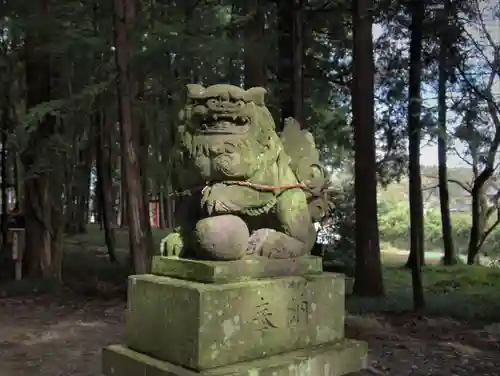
[(44, 337), (48, 337)]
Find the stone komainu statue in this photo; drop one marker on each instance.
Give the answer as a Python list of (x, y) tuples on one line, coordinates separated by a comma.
[(251, 192)]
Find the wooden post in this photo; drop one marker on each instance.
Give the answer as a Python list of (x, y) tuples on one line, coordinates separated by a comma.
[(18, 244)]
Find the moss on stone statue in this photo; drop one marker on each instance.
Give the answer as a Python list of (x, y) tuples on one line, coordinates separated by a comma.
[(334, 359), (234, 271), (201, 326), (242, 296), (256, 193)]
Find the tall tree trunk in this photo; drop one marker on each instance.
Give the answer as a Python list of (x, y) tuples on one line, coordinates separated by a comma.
[(233, 70), (72, 189), (97, 204), (143, 137), (122, 214), (161, 198), (478, 217), (255, 65), (18, 183), (105, 183), (80, 192), (291, 52), (84, 198), (170, 204), (444, 196), (4, 162), (58, 221), (368, 273), (37, 201), (124, 19), (415, 180)]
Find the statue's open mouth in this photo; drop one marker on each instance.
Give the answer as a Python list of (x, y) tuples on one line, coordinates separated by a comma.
[(224, 123)]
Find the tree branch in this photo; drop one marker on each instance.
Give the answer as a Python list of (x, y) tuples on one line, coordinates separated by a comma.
[(465, 186), (461, 185), (490, 230), (430, 187), (459, 155)]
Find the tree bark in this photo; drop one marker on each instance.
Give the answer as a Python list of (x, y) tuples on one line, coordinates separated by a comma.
[(450, 257), (161, 198), (291, 53), (122, 214), (58, 220), (84, 197), (415, 181), (233, 71), (144, 142), (124, 18), (105, 182), (80, 190), (4, 162), (368, 271), (42, 258), (18, 183), (478, 217), (255, 65)]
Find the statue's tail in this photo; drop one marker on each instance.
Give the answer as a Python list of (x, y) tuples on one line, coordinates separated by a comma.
[(299, 145)]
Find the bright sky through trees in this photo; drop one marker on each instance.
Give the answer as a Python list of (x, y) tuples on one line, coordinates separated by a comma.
[(429, 149)]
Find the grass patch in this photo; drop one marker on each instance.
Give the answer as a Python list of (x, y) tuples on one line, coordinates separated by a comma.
[(461, 291), (86, 267), (94, 237)]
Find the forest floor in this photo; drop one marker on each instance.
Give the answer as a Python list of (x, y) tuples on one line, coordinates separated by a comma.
[(47, 332), (55, 337)]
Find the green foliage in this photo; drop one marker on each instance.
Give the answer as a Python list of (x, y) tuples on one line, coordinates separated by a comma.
[(181, 42), (394, 216), (63, 107), (394, 223), (94, 238), (338, 229)]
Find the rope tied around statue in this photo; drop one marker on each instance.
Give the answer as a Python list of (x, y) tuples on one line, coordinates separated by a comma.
[(324, 192)]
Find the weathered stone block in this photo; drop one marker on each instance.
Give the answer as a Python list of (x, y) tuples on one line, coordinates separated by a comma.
[(234, 271), (328, 360), (200, 326)]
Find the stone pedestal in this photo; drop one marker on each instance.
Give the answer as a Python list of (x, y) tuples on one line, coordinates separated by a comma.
[(240, 317)]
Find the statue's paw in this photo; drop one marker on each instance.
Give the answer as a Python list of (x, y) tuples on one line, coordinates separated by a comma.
[(214, 207), (221, 237), (256, 241), (224, 199), (273, 244), (173, 244)]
